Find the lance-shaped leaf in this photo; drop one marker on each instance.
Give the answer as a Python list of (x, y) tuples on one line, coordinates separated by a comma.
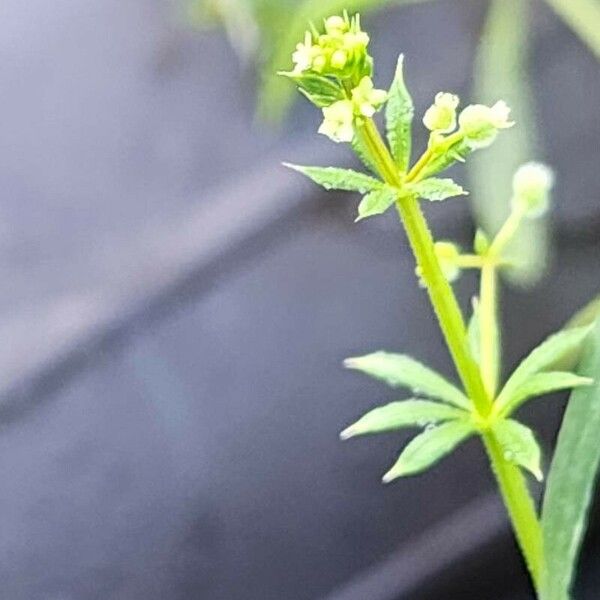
[(397, 415), (377, 202), (538, 385), (399, 116), (437, 189), (543, 357), (428, 448), (399, 370), (320, 90), (571, 478), (519, 446), (332, 178)]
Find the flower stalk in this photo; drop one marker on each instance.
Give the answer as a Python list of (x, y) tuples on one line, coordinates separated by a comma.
[(334, 71)]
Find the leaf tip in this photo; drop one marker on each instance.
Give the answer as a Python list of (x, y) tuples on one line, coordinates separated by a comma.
[(388, 477), (351, 363), (347, 433)]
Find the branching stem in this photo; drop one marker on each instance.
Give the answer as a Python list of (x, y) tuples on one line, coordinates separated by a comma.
[(479, 383)]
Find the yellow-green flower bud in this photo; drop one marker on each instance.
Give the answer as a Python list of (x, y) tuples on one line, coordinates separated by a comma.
[(441, 115), (367, 100), (336, 25), (338, 121), (447, 254), (480, 124), (532, 183), (339, 59)]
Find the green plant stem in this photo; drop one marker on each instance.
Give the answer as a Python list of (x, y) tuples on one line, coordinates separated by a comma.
[(512, 484), (488, 322), (520, 506), (442, 297)]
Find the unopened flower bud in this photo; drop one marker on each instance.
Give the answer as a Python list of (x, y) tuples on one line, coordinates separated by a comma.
[(532, 183), (441, 115), (339, 59), (336, 25), (447, 254), (480, 124)]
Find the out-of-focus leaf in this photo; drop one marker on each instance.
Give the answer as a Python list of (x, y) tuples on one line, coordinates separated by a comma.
[(332, 178), (583, 17), (399, 370), (501, 73), (583, 317), (377, 202), (519, 446), (437, 189), (539, 385), (399, 114), (544, 356), (275, 95), (571, 478), (428, 448), (397, 415), (238, 17)]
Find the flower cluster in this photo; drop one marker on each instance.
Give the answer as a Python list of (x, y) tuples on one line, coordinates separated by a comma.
[(339, 52), (478, 125), (333, 69)]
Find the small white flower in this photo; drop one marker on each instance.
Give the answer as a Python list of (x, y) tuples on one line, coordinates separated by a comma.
[(532, 183), (441, 115), (338, 121), (480, 124), (367, 100), (304, 54)]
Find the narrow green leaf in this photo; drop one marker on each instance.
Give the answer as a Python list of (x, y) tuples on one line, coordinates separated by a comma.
[(428, 448), (571, 478), (474, 331), (399, 370), (377, 202), (519, 446), (399, 115), (397, 415), (502, 72), (437, 189), (538, 385), (543, 357), (332, 178), (582, 16), (318, 89)]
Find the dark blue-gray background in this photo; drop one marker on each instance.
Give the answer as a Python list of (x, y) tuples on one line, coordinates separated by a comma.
[(175, 308)]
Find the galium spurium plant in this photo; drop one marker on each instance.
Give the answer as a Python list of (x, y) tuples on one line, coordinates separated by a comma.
[(333, 69)]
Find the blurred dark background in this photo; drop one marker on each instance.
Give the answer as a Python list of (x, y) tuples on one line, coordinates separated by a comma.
[(176, 307)]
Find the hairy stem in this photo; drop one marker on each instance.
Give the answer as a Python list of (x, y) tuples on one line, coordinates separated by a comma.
[(442, 297), (520, 506), (511, 482)]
